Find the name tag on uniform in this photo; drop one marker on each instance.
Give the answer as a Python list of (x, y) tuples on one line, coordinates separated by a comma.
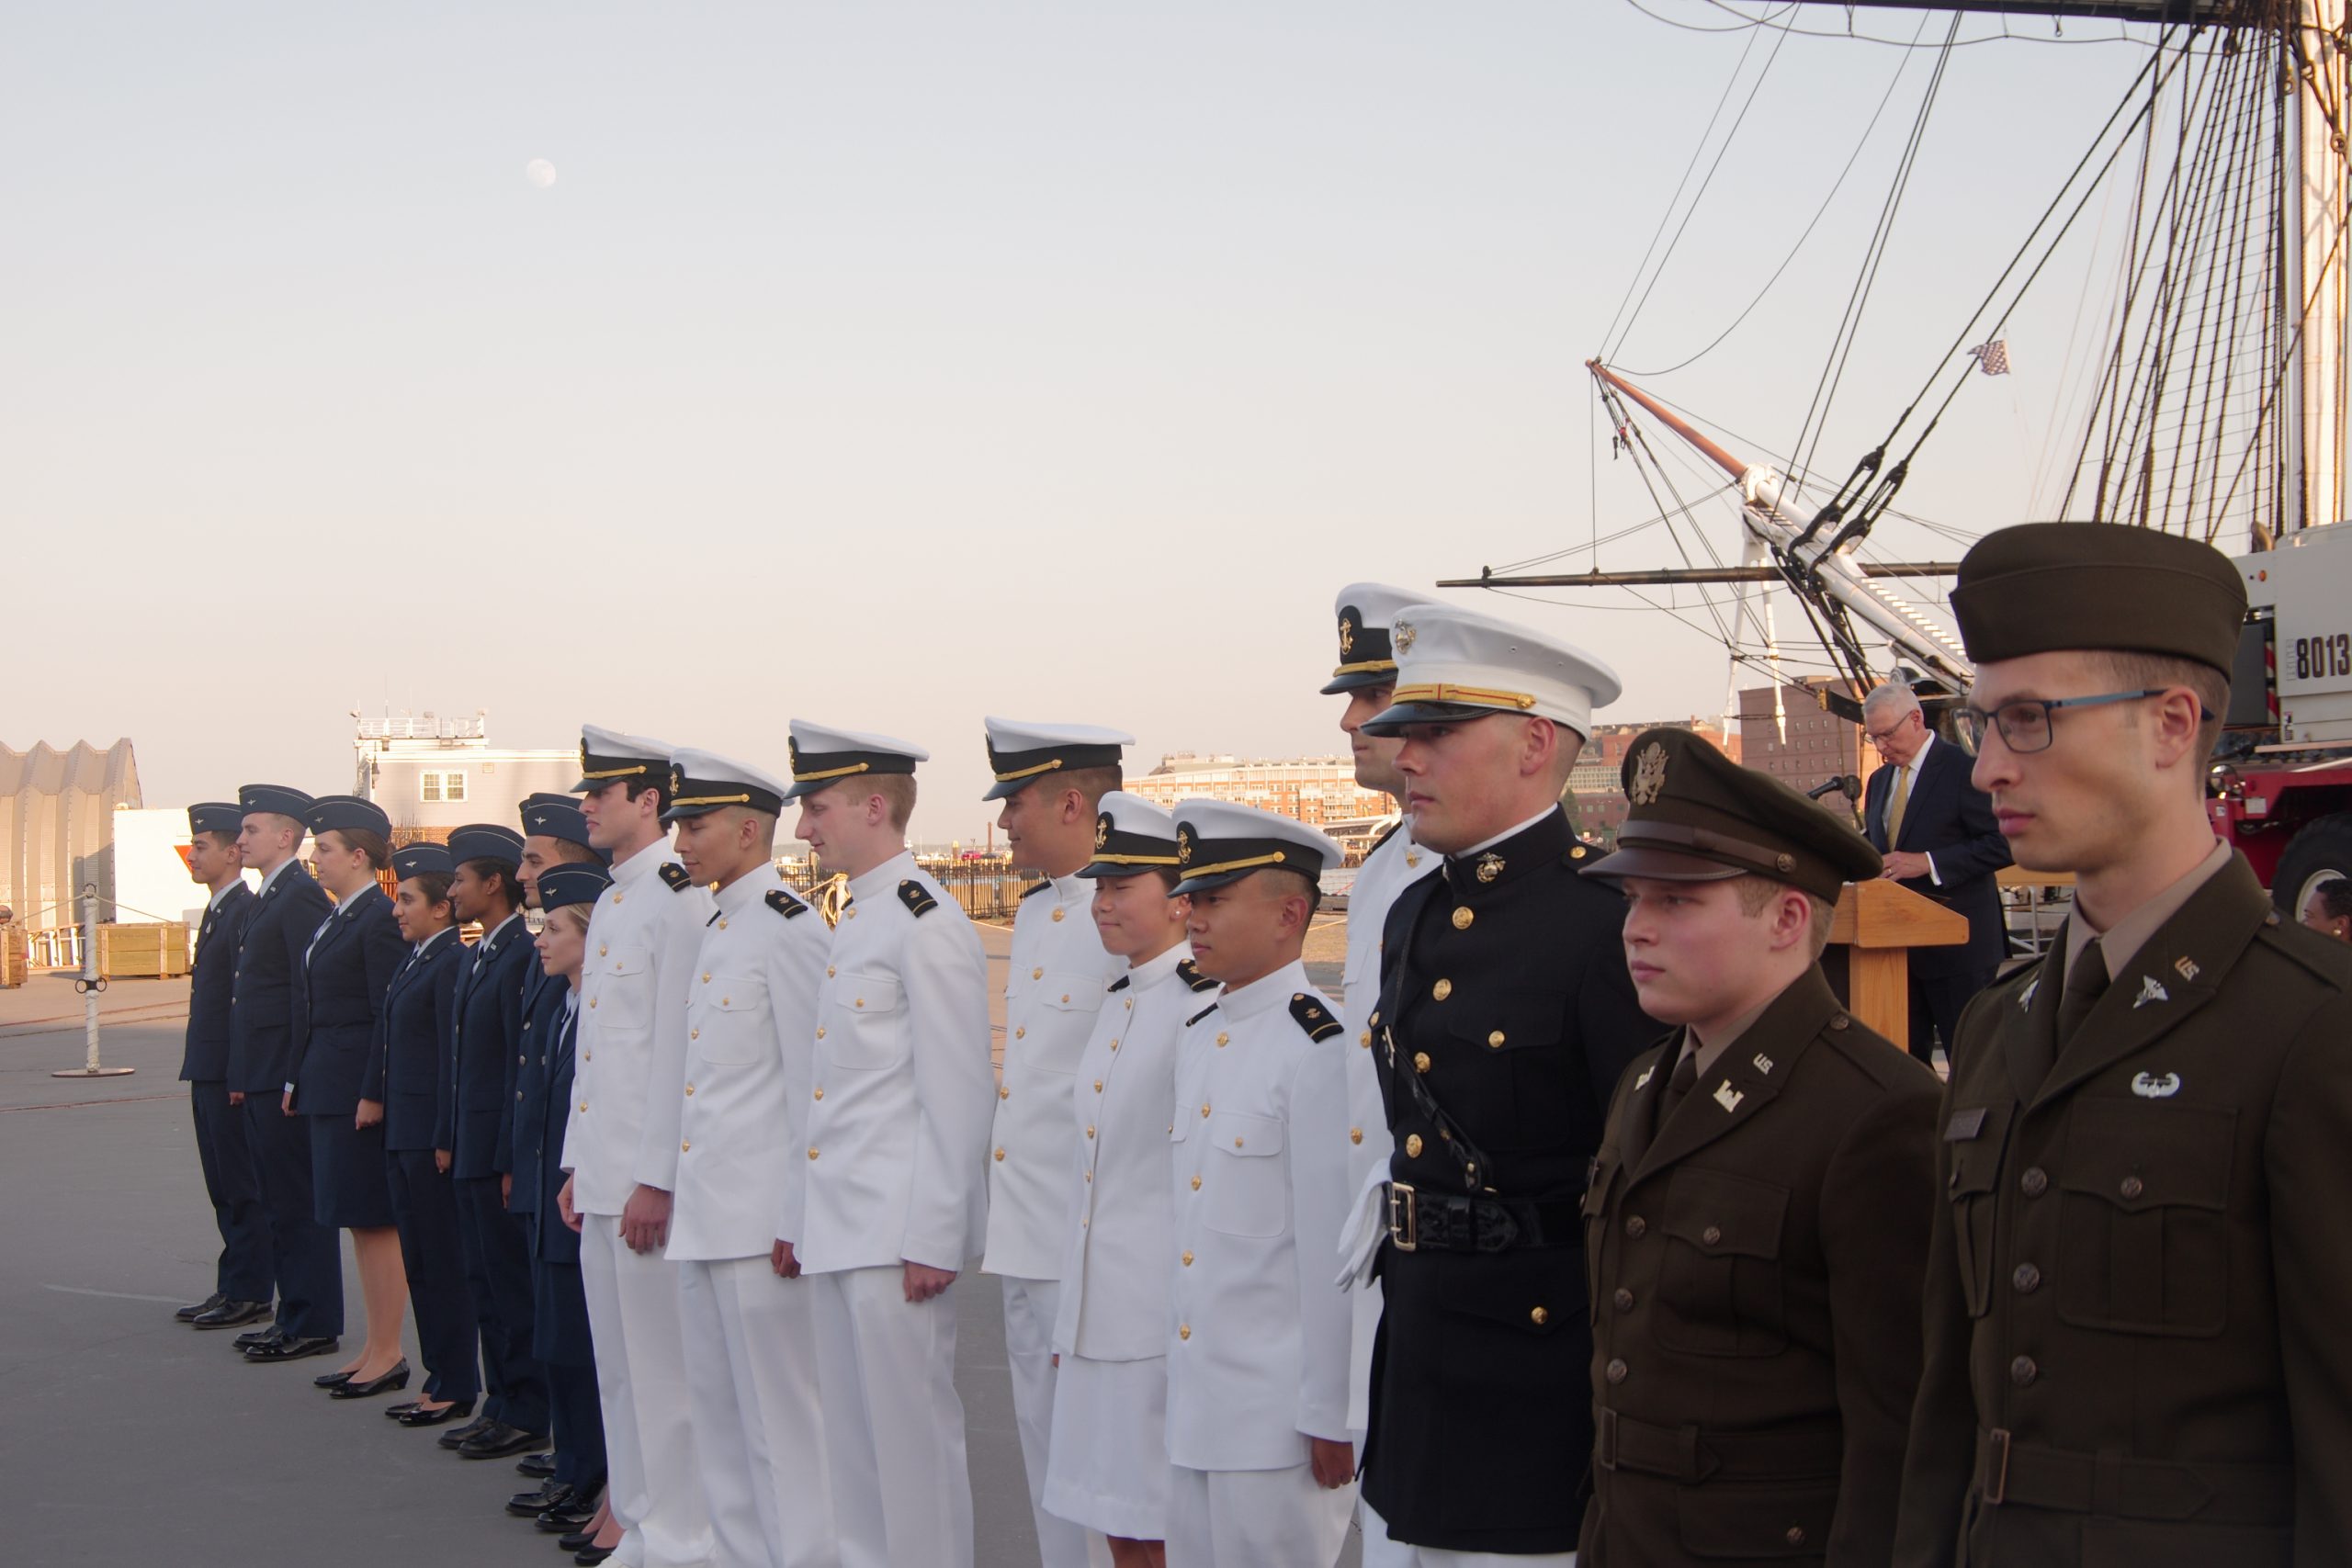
[(1964, 1125)]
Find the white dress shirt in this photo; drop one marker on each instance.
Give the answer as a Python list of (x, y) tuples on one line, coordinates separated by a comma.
[(630, 1052), (1053, 990), (1258, 1357), (899, 1110)]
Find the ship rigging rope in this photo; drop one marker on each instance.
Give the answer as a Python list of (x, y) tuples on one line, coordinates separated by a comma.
[(1747, 23)]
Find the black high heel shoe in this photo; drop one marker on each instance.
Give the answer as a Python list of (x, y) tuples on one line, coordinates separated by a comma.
[(331, 1379), (459, 1411), (351, 1388)]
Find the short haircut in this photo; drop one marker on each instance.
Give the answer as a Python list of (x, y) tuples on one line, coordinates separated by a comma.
[(221, 840), (2335, 897), (1757, 894), (2143, 671), (500, 873), (897, 793), (1891, 695), (572, 851), (1312, 888), (658, 782), (433, 887), (369, 843), (1092, 784)]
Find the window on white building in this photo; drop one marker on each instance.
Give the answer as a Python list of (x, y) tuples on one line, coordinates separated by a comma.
[(436, 787)]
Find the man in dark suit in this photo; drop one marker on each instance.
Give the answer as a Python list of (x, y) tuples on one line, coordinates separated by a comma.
[(1935, 832), (244, 1284), (2139, 1278), (1756, 1223), (1504, 1016), (268, 1022)]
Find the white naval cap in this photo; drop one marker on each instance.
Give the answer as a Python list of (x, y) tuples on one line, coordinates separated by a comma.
[(1453, 663), (702, 781), (1021, 751), (1131, 836), (1365, 611), (608, 754), (821, 754), (1219, 841)]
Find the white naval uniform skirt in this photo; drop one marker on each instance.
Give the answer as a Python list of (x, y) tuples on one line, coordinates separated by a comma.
[(1109, 1464)]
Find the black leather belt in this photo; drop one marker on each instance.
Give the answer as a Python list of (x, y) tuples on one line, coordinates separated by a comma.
[(2010, 1472), (1426, 1221), (1690, 1454)]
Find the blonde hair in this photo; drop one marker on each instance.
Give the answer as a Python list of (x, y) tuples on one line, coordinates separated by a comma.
[(897, 793), (1757, 893)]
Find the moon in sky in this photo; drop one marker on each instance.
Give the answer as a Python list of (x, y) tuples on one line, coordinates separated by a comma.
[(539, 172)]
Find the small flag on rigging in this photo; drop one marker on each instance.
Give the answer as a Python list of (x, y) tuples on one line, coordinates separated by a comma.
[(1993, 358)]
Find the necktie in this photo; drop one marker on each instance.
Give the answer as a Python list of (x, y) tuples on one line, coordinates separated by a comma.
[(1895, 806), (2085, 983), (1685, 1080)]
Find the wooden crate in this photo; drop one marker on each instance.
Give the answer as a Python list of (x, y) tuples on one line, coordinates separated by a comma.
[(13, 955), (156, 952)]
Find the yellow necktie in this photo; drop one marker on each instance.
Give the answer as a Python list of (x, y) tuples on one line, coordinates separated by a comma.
[(1894, 807)]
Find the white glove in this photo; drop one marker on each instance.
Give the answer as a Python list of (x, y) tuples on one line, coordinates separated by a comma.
[(1366, 1228)]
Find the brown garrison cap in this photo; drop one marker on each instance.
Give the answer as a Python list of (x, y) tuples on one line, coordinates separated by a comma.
[(2040, 587), (1697, 816)]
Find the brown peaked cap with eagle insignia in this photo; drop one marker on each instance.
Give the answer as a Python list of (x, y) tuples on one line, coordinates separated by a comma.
[(1697, 816)]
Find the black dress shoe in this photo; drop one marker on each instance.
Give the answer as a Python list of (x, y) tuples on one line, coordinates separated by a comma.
[(352, 1388), (474, 1428), (191, 1313), (418, 1416), (500, 1440), (539, 1467), (573, 1517), (331, 1379), (582, 1536), (531, 1504), (589, 1556), (231, 1314), (294, 1348), (259, 1336)]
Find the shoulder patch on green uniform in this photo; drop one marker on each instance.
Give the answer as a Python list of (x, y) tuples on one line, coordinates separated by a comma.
[(1199, 1015), (1313, 1017), (784, 904), (916, 897), (1121, 983), (1035, 888), (675, 875), (1190, 973)]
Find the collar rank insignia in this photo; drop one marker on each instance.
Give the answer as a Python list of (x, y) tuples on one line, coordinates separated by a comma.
[(916, 897), (2025, 998), (1644, 1081), (1490, 866), (1763, 1062), (784, 904), (2163, 1087), (1728, 1097), (2150, 991), (2184, 966), (675, 875)]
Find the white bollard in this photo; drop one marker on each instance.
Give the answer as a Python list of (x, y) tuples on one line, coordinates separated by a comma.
[(89, 985)]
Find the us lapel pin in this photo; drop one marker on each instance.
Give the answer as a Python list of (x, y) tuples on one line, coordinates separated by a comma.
[(1763, 1062), (2186, 967)]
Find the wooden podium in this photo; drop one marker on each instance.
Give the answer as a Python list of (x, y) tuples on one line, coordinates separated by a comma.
[(1878, 924)]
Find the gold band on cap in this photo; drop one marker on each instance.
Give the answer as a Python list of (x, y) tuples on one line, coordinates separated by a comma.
[(1447, 692), (612, 773), (1029, 772), (1134, 859), (1277, 858), (712, 800), (831, 773), (1365, 667)]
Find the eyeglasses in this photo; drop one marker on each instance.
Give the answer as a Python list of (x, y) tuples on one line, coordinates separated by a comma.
[(1881, 737), (2025, 723)]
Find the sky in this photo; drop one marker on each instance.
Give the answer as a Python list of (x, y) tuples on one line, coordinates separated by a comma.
[(893, 365)]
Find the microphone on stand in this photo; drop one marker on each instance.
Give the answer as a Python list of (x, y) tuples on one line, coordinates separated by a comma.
[(1847, 784)]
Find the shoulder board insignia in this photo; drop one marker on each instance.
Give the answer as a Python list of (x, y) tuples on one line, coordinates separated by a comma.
[(1382, 837), (784, 904), (1035, 888), (916, 897), (1199, 1015), (675, 875), (1121, 983), (1190, 973), (1313, 1017)]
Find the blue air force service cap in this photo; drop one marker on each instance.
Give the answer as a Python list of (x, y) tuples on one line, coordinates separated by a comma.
[(1218, 842), (333, 813), (1131, 836), (574, 882), (547, 815), (821, 755), (485, 841), (1367, 657), (704, 782), (419, 860), (216, 816), (607, 754), (274, 797), (1454, 664), (1020, 752)]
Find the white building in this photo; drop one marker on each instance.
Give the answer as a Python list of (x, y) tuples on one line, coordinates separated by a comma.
[(432, 773)]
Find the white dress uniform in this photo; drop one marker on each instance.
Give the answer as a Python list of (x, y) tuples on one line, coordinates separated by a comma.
[(750, 1341), (898, 1131), (622, 1131), (1395, 865)]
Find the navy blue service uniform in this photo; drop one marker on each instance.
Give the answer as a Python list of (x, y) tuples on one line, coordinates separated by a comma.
[(244, 1274)]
